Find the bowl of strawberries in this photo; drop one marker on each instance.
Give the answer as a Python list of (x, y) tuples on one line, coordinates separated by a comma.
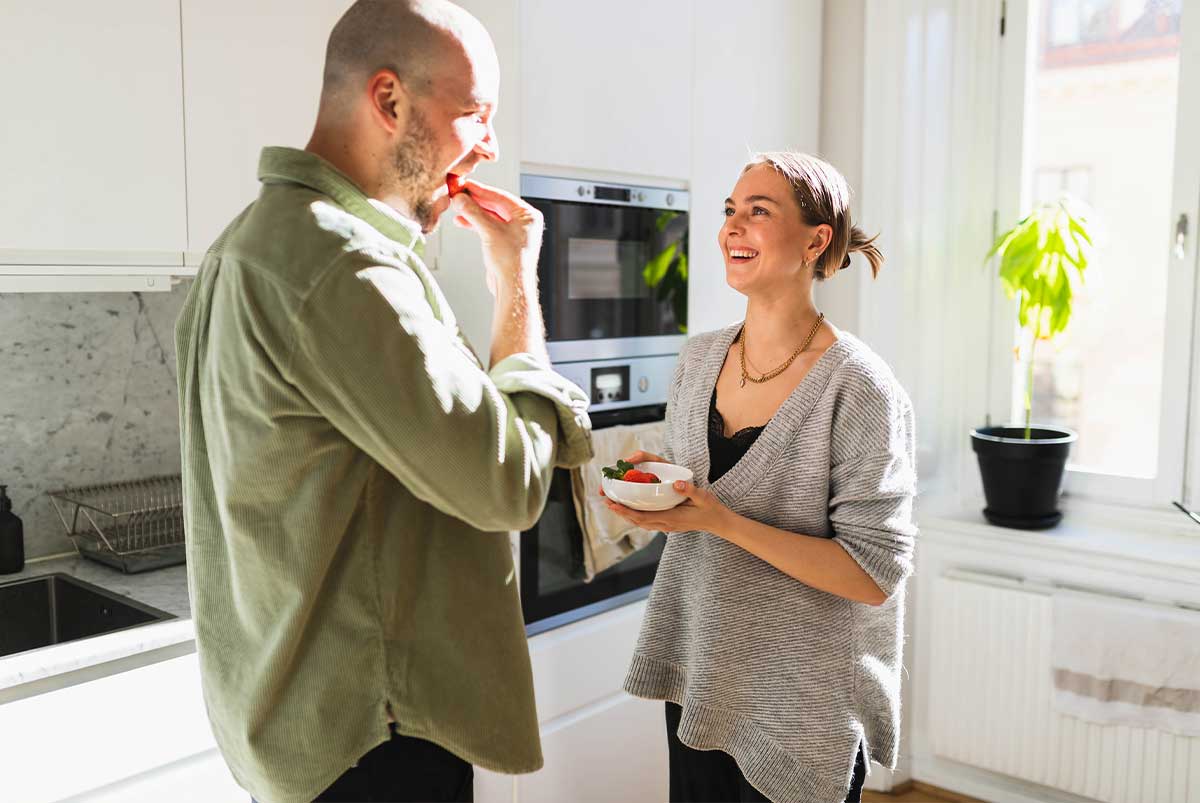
[(644, 486)]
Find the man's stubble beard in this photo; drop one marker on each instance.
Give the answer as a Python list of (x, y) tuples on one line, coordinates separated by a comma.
[(414, 172)]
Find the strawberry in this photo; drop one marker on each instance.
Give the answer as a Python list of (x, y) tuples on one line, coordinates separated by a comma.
[(634, 475), (453, 184)]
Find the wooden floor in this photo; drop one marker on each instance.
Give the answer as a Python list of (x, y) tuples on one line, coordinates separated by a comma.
[(917, 792)]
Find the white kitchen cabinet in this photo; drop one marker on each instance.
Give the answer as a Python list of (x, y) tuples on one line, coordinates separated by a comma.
[(607, 86), (599, 743), (252, 77), (141, 734), (614, 750), (91, 148)]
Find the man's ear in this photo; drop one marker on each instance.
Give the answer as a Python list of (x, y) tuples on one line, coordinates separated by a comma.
[(388, 100)]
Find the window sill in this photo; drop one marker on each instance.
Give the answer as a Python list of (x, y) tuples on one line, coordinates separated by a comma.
[(1090, 531)]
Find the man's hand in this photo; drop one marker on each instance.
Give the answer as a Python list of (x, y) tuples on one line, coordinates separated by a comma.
[(511, 233)]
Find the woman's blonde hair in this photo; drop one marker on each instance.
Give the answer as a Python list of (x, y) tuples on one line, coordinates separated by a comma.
[(824, 197)]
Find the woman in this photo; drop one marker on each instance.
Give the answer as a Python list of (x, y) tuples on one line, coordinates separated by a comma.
[(773, 631)]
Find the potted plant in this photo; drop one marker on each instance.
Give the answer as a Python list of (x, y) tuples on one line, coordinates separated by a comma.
[(1042, 262)]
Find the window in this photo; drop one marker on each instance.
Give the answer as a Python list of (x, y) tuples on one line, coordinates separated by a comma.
[(1104, 106), (1075, 32)]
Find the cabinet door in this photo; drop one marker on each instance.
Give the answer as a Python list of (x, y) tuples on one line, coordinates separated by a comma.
[(91, 147), (607, 86), (616, 750), (135, 730), (252, 77)]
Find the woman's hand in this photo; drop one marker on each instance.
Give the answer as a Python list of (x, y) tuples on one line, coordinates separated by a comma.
[(700, 511), (646, 457)]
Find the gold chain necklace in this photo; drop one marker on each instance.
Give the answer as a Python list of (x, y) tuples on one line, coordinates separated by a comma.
[(769, 375)]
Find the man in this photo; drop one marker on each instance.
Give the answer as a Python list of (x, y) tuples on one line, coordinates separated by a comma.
[(350, 468)]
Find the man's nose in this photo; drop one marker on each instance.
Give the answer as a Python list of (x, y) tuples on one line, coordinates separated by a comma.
[(489, 146)]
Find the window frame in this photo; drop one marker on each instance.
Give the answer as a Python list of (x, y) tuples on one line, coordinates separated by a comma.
[(1178, 474)]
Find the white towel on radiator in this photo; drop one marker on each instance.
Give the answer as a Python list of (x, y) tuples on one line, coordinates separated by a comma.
[(1124, 662)]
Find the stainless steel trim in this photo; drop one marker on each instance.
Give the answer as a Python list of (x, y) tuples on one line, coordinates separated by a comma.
[(583, 191), (614, 348), (583, 612)]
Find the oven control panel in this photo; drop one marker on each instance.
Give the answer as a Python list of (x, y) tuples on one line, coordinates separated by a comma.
[(614, 384)]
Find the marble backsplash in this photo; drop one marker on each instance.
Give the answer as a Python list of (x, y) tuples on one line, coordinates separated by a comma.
[(87, 395)]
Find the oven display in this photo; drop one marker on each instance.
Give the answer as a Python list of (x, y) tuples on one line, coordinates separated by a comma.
[(613, 194), (610, 384)]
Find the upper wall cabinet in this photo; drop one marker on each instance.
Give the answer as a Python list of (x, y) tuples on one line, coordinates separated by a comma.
[(252, 75), (91, 147), (607, 86)]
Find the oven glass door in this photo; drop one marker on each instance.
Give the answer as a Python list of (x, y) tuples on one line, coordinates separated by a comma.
[(553, 591), (612, 271)]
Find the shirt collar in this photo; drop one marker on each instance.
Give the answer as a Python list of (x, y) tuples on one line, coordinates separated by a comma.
[(278, 164)]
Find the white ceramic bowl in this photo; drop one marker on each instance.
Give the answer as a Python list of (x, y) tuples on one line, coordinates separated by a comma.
[(649, 495)]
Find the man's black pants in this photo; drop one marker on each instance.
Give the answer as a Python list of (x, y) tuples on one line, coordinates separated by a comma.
[(404, 770)]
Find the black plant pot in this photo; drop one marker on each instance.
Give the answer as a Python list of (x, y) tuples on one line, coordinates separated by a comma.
[(1022, 479)]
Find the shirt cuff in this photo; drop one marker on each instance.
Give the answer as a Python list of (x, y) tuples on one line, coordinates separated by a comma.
[(524, 373)]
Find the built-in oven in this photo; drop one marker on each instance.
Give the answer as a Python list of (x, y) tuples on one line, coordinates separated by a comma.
[(613, 281)]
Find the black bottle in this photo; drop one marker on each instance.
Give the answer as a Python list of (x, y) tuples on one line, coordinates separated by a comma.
[(12, 536)]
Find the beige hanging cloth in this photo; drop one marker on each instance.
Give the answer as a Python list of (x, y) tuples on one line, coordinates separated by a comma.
[(608, 538)]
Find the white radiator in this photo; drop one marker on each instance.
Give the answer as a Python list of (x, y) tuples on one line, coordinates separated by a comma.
[(990, 704)]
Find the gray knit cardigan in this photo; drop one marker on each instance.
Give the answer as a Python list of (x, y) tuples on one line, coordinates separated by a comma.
[(785, 678)]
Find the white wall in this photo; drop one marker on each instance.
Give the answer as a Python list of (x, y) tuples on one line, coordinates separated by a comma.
[(841, 144), (460, 262), (741, 103)]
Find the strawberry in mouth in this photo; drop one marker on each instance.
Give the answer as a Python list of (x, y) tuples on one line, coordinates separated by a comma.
[(454, 184)]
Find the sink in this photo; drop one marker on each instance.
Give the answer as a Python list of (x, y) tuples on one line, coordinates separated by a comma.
[(57, 608)]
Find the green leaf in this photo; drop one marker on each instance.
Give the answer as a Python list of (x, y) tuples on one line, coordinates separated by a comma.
[(1042, 262), (665, 217), (1016, 238), (657, 267)]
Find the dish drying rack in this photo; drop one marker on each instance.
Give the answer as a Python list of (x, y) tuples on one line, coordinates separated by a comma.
[(133, 526)]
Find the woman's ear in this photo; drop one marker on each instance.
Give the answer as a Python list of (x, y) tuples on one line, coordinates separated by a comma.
[(822, 236)]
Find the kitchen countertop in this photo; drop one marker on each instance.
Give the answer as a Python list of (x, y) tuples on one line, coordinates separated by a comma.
[(27, 673)]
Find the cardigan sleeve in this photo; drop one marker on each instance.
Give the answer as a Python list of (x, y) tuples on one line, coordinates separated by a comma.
[(873, 479)]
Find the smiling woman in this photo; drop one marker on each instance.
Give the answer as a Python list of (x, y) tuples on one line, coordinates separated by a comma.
[(822, 199), (789, 558)]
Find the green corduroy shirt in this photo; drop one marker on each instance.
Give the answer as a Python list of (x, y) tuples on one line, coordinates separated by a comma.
[(351, 471)]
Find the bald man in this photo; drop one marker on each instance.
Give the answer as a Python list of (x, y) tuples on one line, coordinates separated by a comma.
[(351, 468)]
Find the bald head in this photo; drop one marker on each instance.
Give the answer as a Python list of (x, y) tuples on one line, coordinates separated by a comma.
[(415, 39), (411, 90)]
